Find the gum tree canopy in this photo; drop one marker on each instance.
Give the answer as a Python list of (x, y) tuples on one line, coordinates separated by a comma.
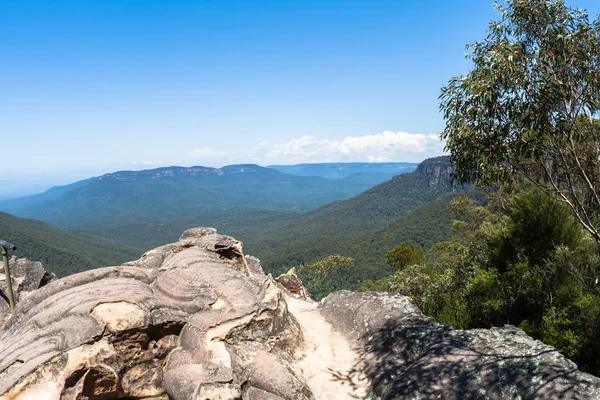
[(529, 107)]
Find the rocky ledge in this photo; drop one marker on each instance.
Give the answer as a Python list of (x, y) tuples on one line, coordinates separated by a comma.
[(197, 319)]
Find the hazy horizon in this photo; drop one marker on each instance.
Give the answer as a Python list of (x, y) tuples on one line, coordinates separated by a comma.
[(26, 186), (101, 86)]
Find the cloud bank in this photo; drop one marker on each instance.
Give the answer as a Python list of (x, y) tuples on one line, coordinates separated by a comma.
[(387, 146)]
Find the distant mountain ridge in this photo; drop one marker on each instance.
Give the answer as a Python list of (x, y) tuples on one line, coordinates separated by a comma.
[(337, 170), (371, 209), (174, 171), (56, 192), (323, 170), (171, 193), (410, 206), (377, 218)]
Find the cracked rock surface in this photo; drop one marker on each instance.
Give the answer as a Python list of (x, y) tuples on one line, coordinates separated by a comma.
[(197, 320), (188, 320), (405, 355)]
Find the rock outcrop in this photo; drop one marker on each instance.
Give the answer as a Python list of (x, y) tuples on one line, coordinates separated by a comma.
[(407, 356), (197, 320), (292, 285), (187, 319), (27, 276), (437, 171)]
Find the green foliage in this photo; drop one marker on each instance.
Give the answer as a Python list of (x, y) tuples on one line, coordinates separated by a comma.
[(364, 227), (64, 252), (524, 260), (241, 222), (325, 276), (261, 226), (424, 226), (403, 255), (172, 194), (526, 109), (424, 285)]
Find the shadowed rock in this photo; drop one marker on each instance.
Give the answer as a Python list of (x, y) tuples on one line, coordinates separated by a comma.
[(197, 320), (407, 356), (292, 284)]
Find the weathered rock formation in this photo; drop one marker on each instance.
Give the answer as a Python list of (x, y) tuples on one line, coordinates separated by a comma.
[(292, 284), (407, 356), (27, 276), (198, 320), (437, 171), (187, 319)]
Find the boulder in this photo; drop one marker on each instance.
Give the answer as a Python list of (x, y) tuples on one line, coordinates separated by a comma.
[(27, 276), (188, 320), (292, 285), (405, 355), (197, 320)]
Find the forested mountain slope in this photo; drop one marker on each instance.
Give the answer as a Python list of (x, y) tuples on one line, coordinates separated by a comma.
[(149, 234), (63, 252), (368, 211), (168, 194), (265, 229), (343, 169), (142, 210), (425, 226), (53, 193)]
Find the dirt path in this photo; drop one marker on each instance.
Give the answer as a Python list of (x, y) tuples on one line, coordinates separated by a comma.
[(328, 354)]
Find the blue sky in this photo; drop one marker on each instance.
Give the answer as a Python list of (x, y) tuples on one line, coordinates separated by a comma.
[(89, 87)]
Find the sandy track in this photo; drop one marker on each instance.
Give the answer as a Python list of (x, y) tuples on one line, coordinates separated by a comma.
[(328, 356)]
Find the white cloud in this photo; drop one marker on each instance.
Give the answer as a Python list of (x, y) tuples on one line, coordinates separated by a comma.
[(142, 162), (387, 146)]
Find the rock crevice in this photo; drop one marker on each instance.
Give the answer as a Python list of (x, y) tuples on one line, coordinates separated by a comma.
[(196, 320)]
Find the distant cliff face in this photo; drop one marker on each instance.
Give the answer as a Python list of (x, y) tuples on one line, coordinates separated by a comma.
[(437, 170), (172, 172)]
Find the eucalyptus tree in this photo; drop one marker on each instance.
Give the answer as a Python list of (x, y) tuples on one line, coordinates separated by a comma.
[(528, 109)]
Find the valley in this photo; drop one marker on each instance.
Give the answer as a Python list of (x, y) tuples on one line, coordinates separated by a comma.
[(285, 220)]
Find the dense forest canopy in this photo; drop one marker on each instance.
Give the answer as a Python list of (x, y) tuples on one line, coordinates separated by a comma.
[(64, 252)]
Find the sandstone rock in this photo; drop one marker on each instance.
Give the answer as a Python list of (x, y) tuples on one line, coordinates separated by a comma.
[(254, 265), (186, 321), (407, 356), (27, 276), (197, 320), (291, 283), (437, 171)]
